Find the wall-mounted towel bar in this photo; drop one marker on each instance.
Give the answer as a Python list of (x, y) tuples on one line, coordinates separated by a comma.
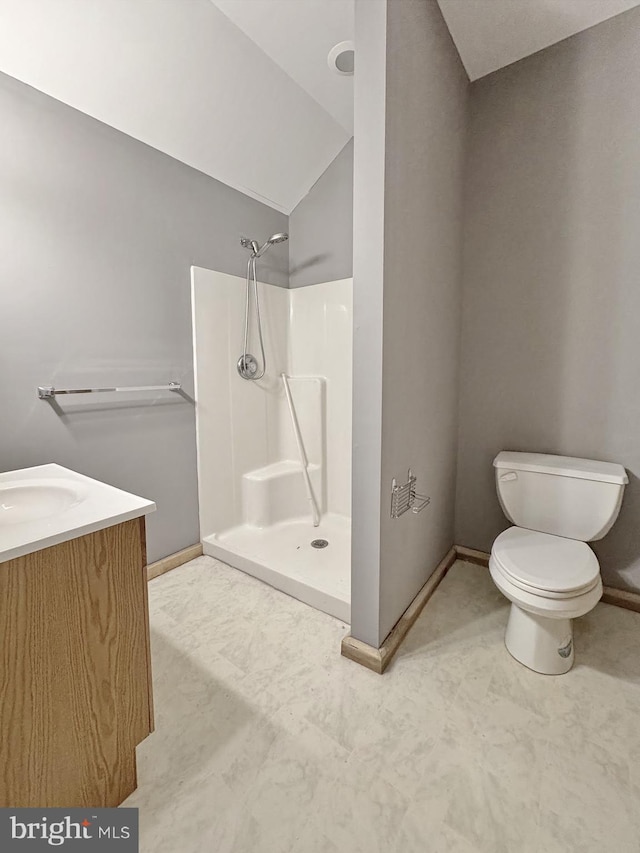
[(46, 392)]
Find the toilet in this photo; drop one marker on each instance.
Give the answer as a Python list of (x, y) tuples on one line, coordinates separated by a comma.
[(543, 564)]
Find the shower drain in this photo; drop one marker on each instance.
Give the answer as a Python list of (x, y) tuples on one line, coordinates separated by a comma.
[(319, 543)]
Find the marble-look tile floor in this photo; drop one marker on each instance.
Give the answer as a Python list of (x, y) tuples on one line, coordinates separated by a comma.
[(267, 741)]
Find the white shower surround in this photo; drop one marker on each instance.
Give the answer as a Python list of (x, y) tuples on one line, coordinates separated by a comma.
[(254, 512)]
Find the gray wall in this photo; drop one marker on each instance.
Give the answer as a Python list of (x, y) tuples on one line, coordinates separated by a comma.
[(321, 226), (419, 291), (368, 290), (426, 127), (551, 334), (97, 235)]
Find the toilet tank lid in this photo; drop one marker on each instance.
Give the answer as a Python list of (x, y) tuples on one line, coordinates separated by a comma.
[(562, 466)]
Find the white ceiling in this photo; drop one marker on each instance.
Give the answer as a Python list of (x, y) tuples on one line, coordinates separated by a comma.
[(298, 35), (180, 76), (490, 34), (241, 89)]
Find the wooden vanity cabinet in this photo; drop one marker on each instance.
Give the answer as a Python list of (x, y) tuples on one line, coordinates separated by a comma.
[(75, 670)]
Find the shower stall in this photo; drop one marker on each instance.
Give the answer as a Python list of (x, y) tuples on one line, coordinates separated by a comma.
[(273, 413)]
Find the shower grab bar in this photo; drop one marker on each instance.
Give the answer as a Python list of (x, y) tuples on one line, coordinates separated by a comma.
[(301, 452), (47, 392)]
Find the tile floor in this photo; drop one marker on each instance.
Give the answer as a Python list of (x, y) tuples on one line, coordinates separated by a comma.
[(268, 742)]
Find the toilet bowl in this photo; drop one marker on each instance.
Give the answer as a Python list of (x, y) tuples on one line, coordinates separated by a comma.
[(549, 581), (543, 564)]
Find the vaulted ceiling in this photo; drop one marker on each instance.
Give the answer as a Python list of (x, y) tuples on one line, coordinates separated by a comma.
[(241, 89), (490, 34), (298, 35), (184, 78)]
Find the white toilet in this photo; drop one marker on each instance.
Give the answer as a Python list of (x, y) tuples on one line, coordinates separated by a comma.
[(543, 564)]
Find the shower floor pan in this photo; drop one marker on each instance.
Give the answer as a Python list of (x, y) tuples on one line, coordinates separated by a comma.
[(282, 556)]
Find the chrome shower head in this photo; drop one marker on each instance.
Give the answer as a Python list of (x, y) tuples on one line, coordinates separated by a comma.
[(259, 250), (275, 238), (278, 238)]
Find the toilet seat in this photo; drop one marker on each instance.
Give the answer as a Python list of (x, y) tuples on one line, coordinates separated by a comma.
[(545, 565), (546, 605)]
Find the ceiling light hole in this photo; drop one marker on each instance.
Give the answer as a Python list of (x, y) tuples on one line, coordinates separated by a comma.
[(341, 58)]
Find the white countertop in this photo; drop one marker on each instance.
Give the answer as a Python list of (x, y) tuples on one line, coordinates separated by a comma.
[(49, 504)]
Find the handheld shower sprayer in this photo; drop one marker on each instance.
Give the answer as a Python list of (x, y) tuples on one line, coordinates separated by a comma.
[(248, 367), (275, 238)]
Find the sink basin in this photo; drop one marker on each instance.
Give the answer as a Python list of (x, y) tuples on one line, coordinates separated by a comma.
[(46, 505), (30, 500)]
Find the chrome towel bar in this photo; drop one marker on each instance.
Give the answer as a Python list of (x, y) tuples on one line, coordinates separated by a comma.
[(46, 392)]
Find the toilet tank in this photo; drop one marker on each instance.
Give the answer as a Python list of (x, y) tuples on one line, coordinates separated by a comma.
[(576, 498)]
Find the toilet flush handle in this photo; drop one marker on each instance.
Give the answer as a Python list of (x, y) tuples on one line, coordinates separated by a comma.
[(511, 475)]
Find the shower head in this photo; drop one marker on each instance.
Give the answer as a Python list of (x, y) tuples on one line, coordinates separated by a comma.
[(259, 250), (278, 238), (275, 238)]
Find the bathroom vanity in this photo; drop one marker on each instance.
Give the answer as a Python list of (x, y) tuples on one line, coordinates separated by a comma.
[(75, 672)]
